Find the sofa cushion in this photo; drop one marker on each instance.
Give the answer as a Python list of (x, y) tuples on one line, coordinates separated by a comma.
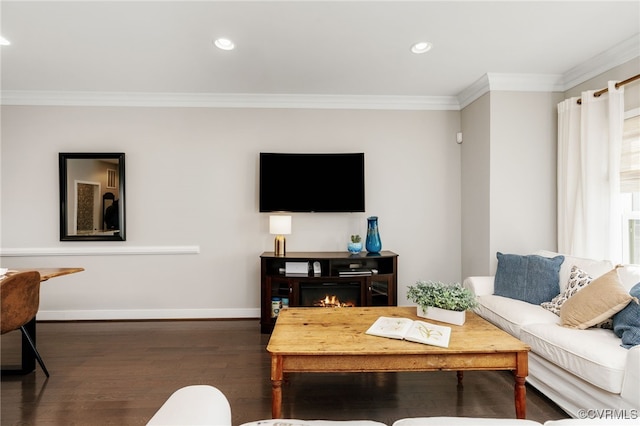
[(297, 422), (578, 279), (511, 315), (454, 421), (626, 323), (595, 268), (574, 351), (530, 278), (600, 300), (630, 420)]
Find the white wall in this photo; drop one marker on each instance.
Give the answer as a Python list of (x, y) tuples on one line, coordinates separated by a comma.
[(523, 172), (508, 177), (191, 184), (475, 190)]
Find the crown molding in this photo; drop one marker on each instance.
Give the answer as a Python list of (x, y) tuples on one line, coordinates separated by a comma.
[(474, 91), (232, 100), (511, 83), (525, 82), (609, 59)]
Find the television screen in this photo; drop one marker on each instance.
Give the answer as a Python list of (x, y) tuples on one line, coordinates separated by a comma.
[(311, 182)]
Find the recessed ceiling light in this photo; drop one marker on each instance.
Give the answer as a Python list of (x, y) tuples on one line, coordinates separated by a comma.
[(4, 41), (421, 47), (224, 44)]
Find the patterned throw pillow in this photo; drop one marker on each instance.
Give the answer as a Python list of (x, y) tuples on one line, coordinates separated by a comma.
[(608, 324), (578, 279)]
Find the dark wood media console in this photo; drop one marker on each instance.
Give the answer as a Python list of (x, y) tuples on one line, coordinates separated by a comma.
[(344, 280)]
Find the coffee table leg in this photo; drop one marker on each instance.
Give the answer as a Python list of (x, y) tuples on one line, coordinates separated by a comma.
[(276, 386), (520, 391), (460, 375)]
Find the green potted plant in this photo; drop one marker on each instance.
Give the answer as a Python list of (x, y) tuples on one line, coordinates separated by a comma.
[(442, 302), (355, 245)]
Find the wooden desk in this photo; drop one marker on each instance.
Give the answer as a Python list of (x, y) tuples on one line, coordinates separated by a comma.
[(334, 340), (28, 358)]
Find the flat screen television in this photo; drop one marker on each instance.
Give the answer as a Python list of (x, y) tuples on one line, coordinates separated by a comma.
[(311, 182)]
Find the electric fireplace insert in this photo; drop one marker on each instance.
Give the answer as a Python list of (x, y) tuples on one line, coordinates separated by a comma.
[(330, 294)]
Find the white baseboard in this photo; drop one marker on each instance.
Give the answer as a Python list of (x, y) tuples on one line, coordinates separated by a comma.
[(147, 314)]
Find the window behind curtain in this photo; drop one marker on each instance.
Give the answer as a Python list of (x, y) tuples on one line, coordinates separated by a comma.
[(630, 187)]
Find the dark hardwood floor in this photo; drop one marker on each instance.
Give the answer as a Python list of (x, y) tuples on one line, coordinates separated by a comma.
[(120, 373)]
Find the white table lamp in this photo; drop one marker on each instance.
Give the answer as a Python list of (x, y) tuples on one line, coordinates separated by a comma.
[(280, 226)]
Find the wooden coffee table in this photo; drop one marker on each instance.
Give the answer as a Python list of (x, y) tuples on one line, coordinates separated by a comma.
[(334, 340)]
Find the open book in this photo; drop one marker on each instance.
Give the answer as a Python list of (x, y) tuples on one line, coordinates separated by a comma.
[(413, 331)]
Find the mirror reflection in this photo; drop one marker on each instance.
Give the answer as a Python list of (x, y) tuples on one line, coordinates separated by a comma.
[(92, 196)]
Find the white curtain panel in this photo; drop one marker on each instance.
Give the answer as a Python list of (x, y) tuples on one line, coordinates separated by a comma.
[(589, 144)]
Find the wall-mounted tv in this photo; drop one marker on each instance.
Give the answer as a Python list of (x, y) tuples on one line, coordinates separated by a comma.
[(311, 182)]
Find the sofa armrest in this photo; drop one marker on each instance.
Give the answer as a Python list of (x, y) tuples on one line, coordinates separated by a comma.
[(630, 384), (480, 286)]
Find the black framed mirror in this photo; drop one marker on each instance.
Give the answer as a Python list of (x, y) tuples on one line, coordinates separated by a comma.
[(92, 200)]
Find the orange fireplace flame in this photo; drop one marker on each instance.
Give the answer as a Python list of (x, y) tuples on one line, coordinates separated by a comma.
[(333, 302)]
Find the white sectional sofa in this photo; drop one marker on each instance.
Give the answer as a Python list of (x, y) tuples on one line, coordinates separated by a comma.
[(207, 405), (577, 369)]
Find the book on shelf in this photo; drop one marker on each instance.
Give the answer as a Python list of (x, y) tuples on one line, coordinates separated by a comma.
[(411, 330), (354, 272)]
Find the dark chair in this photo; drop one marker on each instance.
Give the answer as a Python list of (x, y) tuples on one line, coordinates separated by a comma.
[(20, 299)]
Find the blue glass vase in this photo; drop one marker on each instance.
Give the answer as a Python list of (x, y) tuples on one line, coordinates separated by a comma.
[(373, 243)]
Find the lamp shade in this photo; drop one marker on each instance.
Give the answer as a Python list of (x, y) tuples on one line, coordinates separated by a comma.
[(280, 225)]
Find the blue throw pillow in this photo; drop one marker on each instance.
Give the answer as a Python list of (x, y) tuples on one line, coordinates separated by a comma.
[(532, 278), (626, 323)]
